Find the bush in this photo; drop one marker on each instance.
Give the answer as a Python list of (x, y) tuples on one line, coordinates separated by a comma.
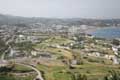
[(78, 76), (114, 75)]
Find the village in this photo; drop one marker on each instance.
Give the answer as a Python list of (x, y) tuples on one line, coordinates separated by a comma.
[(67, 47)]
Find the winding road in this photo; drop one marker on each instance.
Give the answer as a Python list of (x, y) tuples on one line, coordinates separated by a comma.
[(39, 75)]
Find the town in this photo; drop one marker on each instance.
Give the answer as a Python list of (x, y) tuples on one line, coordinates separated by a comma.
[(40, 51)]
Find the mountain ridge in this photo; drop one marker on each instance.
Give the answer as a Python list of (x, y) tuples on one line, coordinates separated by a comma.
[(10, 19)]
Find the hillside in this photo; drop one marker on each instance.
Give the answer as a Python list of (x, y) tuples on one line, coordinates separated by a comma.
[(9, 19)]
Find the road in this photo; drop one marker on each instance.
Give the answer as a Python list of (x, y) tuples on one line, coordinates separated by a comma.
[(39, 75), (7, 43), (3, 55)]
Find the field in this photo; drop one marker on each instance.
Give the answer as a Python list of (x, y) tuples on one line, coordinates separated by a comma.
[(93, 71), (51, 44), (54, 72), (18, 69), (2, 77)]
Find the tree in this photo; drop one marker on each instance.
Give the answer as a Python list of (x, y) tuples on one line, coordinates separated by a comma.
[(114, 75), (78, 76), (116, 42), (25, 46)]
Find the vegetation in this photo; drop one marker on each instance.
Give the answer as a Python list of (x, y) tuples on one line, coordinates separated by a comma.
[(65, 50), (25, 47), (114, 75), (12, 77), (88, 71), (55, 72), (5, 69), (78, 76), (19, 68), (6, 73), (3, 47)]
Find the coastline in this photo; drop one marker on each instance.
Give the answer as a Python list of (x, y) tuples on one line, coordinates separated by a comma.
[(105, 32), (91, 30)]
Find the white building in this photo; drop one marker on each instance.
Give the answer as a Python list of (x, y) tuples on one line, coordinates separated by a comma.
[(3, 63)]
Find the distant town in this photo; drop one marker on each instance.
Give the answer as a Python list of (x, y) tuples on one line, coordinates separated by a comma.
[(56, 49)]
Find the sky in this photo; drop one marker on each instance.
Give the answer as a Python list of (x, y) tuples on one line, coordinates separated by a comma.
[(62, 8)]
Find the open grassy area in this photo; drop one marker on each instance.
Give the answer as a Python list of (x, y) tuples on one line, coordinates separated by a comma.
[(11, 77), (16, 73), (20, 68), (104, 61), (58, 51), (93, 71), (54, 72), (53, 41), (45, 46), (58, 40), (95, 68)]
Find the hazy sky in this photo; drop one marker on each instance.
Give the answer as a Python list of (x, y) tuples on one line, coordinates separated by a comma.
[(62, 8)]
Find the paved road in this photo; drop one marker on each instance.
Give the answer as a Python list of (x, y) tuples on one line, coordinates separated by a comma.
[(39, 76), (3, 55), (7, 43)]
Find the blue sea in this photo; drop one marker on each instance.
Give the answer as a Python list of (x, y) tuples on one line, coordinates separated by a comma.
[(108, 33)]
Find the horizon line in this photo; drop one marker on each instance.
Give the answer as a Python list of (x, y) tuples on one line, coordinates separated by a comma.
[(59, 17)]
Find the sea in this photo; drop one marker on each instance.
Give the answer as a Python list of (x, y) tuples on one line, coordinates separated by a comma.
[(108, 33)]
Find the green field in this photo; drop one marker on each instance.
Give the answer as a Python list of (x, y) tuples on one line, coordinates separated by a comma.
[(53, 41), (93, 71), (19, 68), (5, 77)]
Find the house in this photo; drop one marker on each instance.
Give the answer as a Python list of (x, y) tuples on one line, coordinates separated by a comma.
[(115, 60), (47, 55), (21, 38), (95, 54), (34, 53), (115, 49), (74, 62), (109, 56), (33, 39), (58, 46), (3, 63), (44, 54), (15, 53)]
